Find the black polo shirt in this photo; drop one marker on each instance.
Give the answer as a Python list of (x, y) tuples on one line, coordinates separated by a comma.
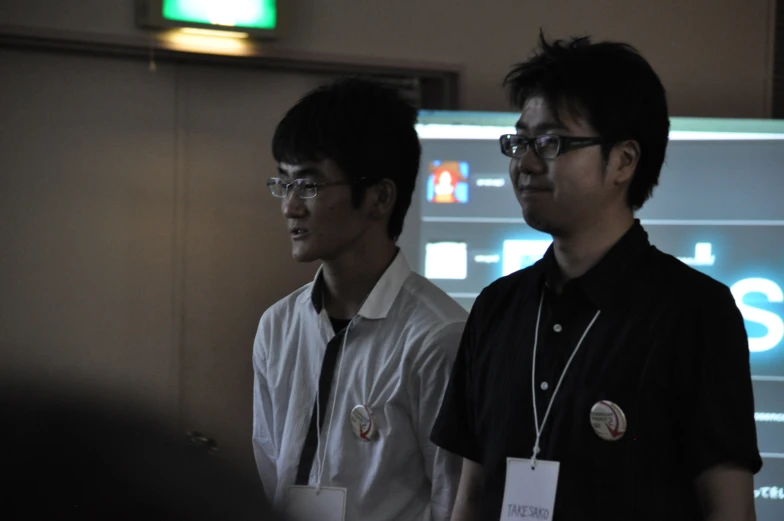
[(669, 347)]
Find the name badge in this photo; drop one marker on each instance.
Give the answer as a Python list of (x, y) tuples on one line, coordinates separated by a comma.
[(529, 492), (305, 503)]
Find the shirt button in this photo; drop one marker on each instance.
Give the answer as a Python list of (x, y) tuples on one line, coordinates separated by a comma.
[(557, 328), (544, 386)]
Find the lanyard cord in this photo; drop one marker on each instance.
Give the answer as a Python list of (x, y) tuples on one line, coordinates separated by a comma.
[(540, 429)]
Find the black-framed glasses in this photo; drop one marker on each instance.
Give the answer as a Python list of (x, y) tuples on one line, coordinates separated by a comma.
[(547, 146), (304, 188)]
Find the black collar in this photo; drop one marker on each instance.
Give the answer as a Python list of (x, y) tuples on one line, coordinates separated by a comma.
[(600, 283)]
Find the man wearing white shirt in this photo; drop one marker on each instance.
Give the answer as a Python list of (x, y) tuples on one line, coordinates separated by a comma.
[(351, 368)]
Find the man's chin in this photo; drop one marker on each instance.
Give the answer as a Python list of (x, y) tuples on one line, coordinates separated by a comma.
[(544, 225), (303, 255), (535, 221), (304, 259)]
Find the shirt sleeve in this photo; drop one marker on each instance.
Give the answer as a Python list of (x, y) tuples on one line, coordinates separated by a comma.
[(431, 377), (264, 448), (454, 429), (717, 409)]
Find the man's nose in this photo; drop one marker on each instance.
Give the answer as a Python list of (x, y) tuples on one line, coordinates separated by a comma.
[(293, 205), (530, 164)]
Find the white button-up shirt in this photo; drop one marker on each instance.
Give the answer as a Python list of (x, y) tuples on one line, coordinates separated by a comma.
[(397, 360)]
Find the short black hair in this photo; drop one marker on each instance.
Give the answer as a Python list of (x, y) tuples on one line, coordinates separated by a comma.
[(363, 126), (612, 87)]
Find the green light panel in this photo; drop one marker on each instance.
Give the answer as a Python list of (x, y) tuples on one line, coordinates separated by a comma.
[(250, 14)]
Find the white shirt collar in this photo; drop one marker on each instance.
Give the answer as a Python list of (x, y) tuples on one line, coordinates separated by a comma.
[(381, 297)]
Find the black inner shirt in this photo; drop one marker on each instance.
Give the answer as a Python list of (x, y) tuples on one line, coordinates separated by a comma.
[(339, 324)]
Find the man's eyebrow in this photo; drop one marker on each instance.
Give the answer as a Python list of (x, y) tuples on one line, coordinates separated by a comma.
[(303, 172), (541, 127)]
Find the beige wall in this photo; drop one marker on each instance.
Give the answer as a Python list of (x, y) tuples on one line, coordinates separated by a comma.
[(138, 243), (712, 54)]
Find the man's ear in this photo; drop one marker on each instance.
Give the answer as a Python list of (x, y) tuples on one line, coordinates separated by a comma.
[(623, 161), (382, 197)]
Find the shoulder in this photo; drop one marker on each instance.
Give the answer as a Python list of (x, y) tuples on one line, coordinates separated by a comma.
[(280, 317), (425, 305), (497, 308), (699, 314), (432, 321), (504, 295), (286, 307), (504, 287), (691, 287)]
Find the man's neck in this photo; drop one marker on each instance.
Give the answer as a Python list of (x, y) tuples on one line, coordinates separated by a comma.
[(578, 253), (350, 278)]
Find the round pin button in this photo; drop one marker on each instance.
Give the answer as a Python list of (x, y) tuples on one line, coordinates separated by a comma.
[(544, 386), (557, 328), (608, 420), (363, 423)]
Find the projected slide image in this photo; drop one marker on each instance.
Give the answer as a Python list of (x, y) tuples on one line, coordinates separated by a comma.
[(703, 255), (446, 260), (769, 490), (480, 181), (463, 258), (447, 182), (769, 416), (521, 253)]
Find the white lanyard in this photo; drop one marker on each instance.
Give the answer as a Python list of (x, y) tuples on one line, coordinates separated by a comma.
[(539, 428)]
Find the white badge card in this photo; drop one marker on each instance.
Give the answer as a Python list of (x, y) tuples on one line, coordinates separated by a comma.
[(305, 503), (529, 492)]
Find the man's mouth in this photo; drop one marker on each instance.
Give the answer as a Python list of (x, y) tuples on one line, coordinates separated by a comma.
[(297, 232), (529, 188)]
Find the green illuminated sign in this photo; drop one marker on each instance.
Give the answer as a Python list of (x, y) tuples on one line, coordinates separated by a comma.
[(250, 14)]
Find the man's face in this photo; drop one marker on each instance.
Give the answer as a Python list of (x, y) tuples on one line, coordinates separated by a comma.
[(327, 225), (559, 195)]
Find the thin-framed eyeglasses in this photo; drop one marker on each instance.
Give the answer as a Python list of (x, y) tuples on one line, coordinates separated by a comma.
[(547, 146), (304, 188)]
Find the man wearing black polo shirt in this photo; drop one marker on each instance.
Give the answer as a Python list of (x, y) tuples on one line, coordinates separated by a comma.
[(608, 381)]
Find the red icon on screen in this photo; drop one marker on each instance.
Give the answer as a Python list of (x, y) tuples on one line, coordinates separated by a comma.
[(448, 182)]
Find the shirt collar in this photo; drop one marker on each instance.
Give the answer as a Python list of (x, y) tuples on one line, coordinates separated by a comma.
[(601, 281), (381, 297)]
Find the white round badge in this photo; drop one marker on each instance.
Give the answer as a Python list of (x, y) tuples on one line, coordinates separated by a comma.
[(363, 423), (608, 420)]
